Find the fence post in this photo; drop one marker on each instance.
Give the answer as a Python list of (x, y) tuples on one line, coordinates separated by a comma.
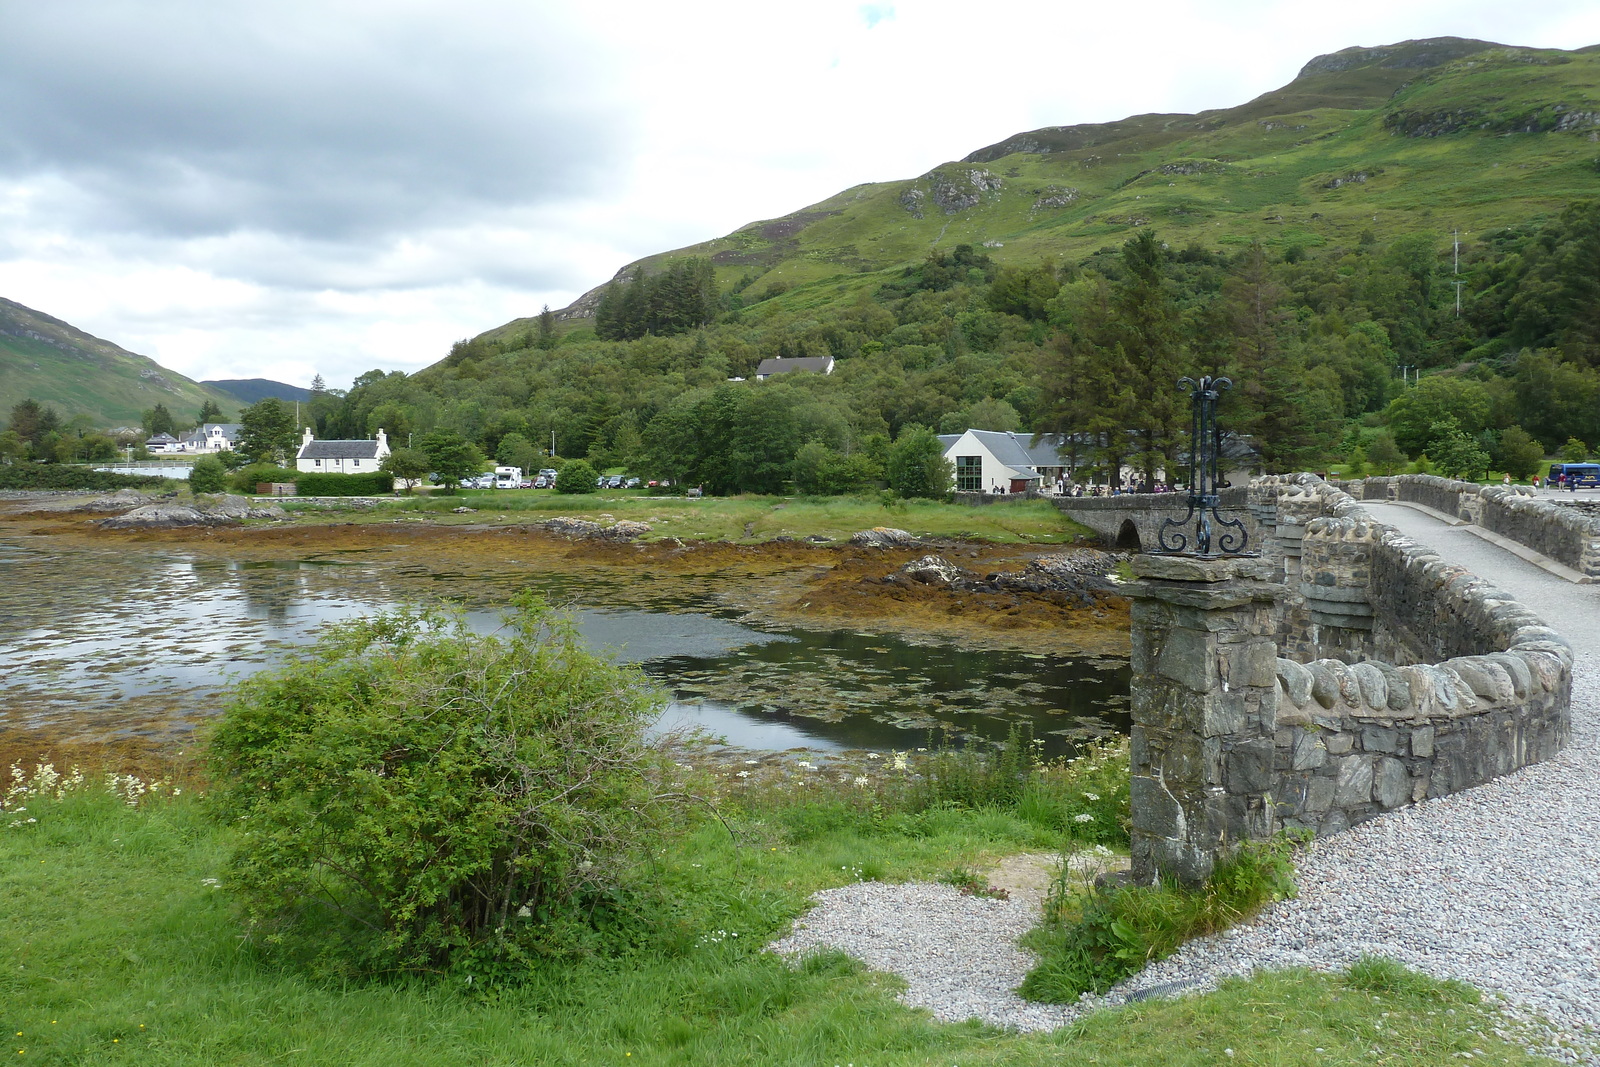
[(1205, 702)]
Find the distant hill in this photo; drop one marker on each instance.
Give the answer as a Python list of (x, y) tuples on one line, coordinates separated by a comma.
[(1440, 134), (250, 390), (78, 374)]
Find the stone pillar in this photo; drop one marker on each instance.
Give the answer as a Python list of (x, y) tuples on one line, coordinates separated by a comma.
[(1205, 701), (1336, 581), (1297, 506)]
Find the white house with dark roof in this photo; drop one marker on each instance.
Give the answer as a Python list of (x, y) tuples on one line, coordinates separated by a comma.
[(340, 457), (995, 461), (212, 437), (782, 365)]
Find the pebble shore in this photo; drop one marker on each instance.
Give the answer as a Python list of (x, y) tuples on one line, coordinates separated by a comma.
[(1498, 886)]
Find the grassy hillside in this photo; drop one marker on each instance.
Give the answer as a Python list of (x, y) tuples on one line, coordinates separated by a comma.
[(77, 374), (1441, 135)]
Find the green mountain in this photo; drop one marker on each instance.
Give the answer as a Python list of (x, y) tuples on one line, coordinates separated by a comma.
[(1440, 135), (250, 390), (77, 374)]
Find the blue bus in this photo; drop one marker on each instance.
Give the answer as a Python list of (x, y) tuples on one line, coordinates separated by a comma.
[(1586, 475)]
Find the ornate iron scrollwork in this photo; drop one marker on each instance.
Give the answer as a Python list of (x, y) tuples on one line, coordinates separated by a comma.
[(1205, 452)]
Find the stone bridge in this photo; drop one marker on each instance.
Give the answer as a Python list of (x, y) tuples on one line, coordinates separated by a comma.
[(1132, 522)]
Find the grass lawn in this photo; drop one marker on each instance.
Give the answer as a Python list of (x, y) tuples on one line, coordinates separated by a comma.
[(743, 518), (118, 948)]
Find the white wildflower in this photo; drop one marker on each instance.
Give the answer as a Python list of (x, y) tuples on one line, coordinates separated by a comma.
[(742, 774), (1085, 817), (1092, 796), (861, 781)]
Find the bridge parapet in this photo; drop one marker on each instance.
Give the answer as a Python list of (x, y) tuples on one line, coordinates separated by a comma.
[(1397, 677)]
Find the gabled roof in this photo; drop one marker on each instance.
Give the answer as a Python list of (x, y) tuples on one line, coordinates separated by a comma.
[(780, 365), (339, 450), (1017, 450)]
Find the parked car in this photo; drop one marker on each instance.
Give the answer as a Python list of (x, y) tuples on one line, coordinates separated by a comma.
[(631, 483), (541, 482), (614, 482)]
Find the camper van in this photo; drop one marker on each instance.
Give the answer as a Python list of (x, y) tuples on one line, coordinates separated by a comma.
[(508, 477)]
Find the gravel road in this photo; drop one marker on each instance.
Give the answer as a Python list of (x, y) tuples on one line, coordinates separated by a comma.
[(1498, 886)]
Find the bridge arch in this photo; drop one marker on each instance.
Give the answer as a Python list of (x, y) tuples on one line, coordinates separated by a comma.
[(1128, 537)]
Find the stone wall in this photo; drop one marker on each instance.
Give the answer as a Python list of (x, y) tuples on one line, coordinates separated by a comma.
[(1353, 741), (1564, 534), (1424, 679), (1568, 535), (1395, 677)]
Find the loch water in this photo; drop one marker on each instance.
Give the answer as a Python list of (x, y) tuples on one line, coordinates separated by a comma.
[(144, 640)]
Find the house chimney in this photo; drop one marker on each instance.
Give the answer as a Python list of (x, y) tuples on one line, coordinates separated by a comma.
[(383, 440), (307, 439)]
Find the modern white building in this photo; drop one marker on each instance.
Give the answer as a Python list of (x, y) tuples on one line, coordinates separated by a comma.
[(995, 461), (341, 457)]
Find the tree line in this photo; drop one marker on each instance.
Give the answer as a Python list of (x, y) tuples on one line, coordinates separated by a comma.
[(1347, 353)]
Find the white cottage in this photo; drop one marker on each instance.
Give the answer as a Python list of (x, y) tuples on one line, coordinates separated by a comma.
[(340, 457)]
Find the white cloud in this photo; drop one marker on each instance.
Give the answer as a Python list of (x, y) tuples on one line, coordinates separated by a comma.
[(334, 186)]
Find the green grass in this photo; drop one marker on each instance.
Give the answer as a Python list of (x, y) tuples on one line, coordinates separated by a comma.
[(117, 951), (728, 518)]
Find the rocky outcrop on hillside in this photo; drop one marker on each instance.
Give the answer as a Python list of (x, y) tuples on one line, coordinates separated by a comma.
[(951, 190), (1407, 55)]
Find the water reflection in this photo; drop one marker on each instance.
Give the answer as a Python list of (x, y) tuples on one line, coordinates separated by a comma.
[(148, 640)]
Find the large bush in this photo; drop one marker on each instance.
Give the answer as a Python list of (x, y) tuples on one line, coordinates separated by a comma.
[(208, 475), (311, 483), (414, 797), (576, 476), (63, 476)]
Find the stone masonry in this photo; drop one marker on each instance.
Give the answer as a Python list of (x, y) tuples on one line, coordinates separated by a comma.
[(1204, 711), (1401, 677)]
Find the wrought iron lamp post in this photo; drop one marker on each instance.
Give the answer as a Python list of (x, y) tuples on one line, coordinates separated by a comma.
[(1205, 452)]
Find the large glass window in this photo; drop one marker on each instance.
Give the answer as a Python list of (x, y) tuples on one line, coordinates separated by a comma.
[(969, 474)]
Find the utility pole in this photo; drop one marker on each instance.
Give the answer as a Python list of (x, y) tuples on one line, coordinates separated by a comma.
[(1457, 282)]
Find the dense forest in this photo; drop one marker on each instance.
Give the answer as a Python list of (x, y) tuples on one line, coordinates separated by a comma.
[(1337, 354), (1342, 354)]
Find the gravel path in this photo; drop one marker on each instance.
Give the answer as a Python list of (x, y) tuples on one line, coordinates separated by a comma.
[(1498, 886)]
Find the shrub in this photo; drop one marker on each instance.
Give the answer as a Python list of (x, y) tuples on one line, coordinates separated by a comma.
[(576, 476), (208, 475), (309, 483), (414, 797)]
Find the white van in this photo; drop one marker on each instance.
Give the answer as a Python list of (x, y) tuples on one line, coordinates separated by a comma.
[(508, 477)]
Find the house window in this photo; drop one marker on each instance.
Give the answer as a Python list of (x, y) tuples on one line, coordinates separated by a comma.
[(969, 474), (318, 462), (355, 463)]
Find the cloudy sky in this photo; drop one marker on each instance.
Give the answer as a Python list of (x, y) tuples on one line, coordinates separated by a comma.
[(285, 189)]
